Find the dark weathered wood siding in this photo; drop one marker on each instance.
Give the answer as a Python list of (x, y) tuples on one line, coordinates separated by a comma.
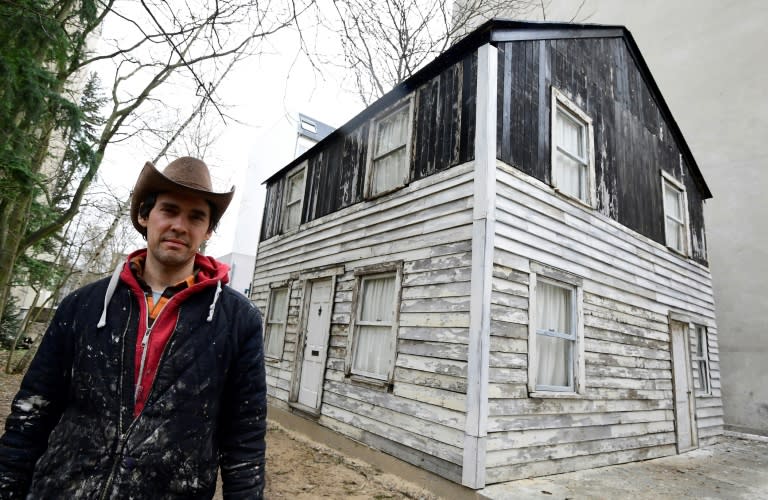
[(444, 124), (442, 137), (633, 142)]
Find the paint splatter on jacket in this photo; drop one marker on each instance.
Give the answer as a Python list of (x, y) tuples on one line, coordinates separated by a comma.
[(72, 431)]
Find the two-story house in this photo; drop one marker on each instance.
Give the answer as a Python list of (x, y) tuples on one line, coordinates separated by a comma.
[(498, 270)]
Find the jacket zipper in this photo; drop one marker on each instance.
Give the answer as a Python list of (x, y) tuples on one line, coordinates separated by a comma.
[(144, 343), (124, 436), (122, 440)]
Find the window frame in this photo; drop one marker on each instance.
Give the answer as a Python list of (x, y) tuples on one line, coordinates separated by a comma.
[(561, 101), (577, 375), (361, 275), (285, 224), (685, 241), (406, 102), (269, 321), (700, 359)]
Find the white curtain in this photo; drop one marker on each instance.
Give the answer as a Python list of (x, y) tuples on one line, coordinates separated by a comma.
[(276, 323), (673, 207), (374, 326), (390, 165), (293, 203), (570, 176), (554, 314)]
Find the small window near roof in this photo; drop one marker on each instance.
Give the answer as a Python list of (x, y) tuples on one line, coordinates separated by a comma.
[(294, 195), (675, 214), (572, 162), (389, 165)]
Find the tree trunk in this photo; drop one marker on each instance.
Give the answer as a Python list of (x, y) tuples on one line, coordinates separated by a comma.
[(16, 214)]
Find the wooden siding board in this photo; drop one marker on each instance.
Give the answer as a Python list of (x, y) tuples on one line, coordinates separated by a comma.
[(420, 410), (444, 468), (555, 452), (414, 440), (556, 230), (400, 421), (534, 469), (550, 406)]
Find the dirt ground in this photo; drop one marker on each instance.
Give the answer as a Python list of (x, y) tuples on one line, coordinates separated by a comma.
[(297, 468)]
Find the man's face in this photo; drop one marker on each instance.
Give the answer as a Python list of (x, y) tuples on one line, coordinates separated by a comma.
[(176, 227)]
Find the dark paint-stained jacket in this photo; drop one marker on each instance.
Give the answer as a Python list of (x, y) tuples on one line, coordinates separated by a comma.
[(72, 433)]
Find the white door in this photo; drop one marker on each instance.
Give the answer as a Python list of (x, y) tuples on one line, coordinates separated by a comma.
[(683, 388), (318, 325)]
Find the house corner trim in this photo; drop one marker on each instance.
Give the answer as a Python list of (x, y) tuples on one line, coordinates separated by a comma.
[(483, 227)]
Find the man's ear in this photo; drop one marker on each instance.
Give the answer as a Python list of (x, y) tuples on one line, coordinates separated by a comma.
[(142, 221)]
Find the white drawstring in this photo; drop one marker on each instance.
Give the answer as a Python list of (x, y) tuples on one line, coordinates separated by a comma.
[(215, 299), (110, 292)]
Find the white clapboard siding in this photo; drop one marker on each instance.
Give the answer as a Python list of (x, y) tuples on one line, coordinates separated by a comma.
[(554, 452), (630, 285), (549, 467), (443, 468), (428, 227), (563, 435), (629, 262), (546, 406), (555, 421)]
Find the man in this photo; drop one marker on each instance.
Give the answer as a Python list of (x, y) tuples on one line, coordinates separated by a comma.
[(146, 382)]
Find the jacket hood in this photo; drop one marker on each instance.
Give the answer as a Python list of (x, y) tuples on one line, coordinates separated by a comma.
[(210, 272)]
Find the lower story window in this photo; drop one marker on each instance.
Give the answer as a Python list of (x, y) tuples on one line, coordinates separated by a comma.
[(555, 336), (374, 340), (275, 325), (556, 360), (701, 360)]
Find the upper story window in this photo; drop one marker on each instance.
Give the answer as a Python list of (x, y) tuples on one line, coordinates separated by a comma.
[(556, 345), (294, 195), (701, 358), (573, 169), (675, 214), (388, 165), (274, 332)]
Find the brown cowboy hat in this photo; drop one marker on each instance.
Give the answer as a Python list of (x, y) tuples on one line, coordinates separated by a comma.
[(183, 175)]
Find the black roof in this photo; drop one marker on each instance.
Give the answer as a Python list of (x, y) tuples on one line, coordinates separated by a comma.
[(504, 30)]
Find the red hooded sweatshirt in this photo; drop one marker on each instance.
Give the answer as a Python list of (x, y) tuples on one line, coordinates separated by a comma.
[(151, 342)]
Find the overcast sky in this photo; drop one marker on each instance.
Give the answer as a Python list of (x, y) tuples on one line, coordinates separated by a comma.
[(263, 96)]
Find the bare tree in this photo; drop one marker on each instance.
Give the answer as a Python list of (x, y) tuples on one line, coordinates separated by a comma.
[(383, 43), (187, 46)]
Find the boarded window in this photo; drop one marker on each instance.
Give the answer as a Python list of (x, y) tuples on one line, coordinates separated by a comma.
[(374, 342), (276, 319), (555, 336), (389, 165), (701, 360), (294, 195), (572, 166), (675, 215)]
